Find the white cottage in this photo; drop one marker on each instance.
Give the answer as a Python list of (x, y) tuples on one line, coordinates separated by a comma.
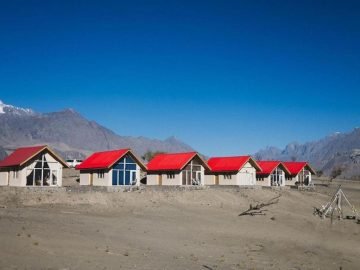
[(111, 168), (300, 173), (235, 170), (273, 173), (32, 166), (176, 169)]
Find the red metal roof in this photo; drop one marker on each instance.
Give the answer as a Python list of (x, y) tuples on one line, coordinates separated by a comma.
[(171, 161), (268, 166), (295, 167), (102, 160), (21, 155), (230, 164)]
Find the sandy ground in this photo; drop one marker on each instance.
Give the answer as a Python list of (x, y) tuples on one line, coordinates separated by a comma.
[(192, 229)]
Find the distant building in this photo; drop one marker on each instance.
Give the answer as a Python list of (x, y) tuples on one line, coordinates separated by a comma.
[(176, 169), (32, 166), (72, 163), (273, 173), (111, 168), (234, 170), (300, 173)]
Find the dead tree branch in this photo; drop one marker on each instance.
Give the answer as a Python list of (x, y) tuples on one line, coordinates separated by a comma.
[(255, 210)]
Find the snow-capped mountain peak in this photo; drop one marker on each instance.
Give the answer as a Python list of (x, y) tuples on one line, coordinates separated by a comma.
[(9, 109)]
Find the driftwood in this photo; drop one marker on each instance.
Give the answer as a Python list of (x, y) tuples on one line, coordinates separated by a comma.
[(256, 210), (335, 205)]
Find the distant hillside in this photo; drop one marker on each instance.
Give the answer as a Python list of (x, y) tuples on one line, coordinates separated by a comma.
[(71, 134), (340, 150), (2, 153)]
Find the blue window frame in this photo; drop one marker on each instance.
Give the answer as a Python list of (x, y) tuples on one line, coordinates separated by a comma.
[(124, 172)]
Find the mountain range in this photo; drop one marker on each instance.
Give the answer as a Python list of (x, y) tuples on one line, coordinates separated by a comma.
[(336, 151), (70, 134), (73, 136)]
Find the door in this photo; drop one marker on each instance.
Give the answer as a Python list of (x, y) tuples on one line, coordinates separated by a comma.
[(272, 177), (53, 181), (216, 180), (160, 179), (118, 178), (133, 177), (91, 179), (198, 178), (127, 178)]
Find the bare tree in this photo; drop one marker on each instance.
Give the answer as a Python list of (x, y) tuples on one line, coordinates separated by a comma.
[(150, 154), (258, 156), (335, 173)]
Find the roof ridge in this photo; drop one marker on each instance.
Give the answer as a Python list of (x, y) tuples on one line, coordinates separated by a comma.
[(231, 156), (177, 153), (112, 150)]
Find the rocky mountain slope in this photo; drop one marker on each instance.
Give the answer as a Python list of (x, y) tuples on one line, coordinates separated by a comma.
[(71, 134), (339, 150)]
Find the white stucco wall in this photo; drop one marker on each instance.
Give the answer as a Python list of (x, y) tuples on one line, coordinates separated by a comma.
[(84, 178), (209, 179), (172, 181), (233, 181), (20, 180), (266, 182), (153, 179), (4, 178), (245, 177), (105, 181), (292, 181), (87, 176)]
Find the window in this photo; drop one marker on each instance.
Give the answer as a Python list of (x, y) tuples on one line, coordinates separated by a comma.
[(15, 174), (100, 174), (191, 175), (170, 175), (125, 172), (227, 176)]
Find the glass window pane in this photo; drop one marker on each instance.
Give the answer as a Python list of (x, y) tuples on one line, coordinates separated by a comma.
[(129, 160), (37, 177), (30, 179), (127, 178), (121, 177), (119, 166), (130, 166), (46, 179)]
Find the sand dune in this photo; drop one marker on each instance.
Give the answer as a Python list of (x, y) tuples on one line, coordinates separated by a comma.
[(194, 229)]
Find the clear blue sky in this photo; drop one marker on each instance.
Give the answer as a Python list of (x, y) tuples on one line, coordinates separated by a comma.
[(227, 77)]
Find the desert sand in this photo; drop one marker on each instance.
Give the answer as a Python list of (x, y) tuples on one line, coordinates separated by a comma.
[(174, 229)]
